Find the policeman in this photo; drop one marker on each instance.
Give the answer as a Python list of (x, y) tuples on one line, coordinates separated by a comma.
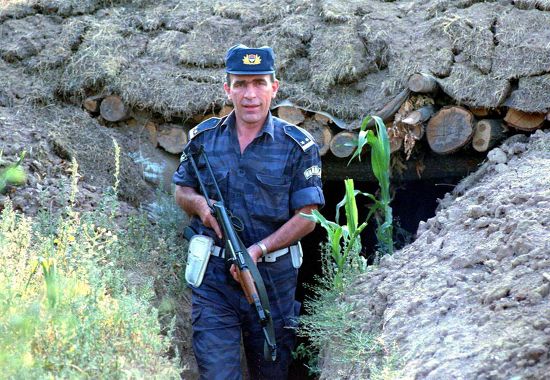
[(268, 171)]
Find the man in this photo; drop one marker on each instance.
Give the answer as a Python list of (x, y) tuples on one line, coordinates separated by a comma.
[(268, 172)]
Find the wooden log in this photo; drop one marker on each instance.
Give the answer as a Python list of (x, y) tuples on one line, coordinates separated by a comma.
[(396, 143), (479, 112), (487, 133), (419, 116), (422, 83), (323, 119), (387, 112), (293, 115), (524, 121), (342, 144), (113, 109), (92, 104), (321, 134), (417, 131), (450, 129)]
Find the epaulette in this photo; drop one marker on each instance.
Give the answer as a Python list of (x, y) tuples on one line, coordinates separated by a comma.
[(300, 135), (204, 126)]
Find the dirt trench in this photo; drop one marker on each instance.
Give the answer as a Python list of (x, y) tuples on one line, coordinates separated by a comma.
[(469, 299)]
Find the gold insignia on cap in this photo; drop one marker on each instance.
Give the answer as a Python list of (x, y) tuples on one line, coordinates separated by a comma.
[(252, 59)]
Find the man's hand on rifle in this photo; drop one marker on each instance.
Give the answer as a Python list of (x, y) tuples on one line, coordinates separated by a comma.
[(255, 253), (207, 218)]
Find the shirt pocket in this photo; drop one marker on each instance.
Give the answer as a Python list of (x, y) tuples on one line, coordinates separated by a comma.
[(270, 198), (222, 178)]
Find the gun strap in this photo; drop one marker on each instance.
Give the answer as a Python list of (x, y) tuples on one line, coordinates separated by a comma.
[(270, 352)]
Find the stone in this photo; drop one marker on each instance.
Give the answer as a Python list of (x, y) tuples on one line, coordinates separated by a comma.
[(171, 138), (497, 156)]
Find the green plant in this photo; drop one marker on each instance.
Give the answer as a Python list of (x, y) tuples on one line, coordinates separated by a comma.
[(344, 240), (67, 309), (380, 164), (330, 322), (12, 174)]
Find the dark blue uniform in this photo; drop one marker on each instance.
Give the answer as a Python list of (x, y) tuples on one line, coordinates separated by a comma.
[(278, 173)]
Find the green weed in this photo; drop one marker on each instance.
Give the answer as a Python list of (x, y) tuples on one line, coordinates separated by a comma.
[(329, 322), (67, 309)]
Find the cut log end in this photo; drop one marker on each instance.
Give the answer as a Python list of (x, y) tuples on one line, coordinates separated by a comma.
[(422, 83), (113, 109), (487, 133), (92, 103), (450, 129), (321, 133), (291, 114), (524, 121), (419, 116), (342, 145)]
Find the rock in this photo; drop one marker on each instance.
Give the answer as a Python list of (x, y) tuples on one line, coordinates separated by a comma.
[(501, 168), (497, 156), (171, 138), (475, 211), (500, 291)]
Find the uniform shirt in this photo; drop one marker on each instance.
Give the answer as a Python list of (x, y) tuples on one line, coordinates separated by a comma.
[(264, 185)]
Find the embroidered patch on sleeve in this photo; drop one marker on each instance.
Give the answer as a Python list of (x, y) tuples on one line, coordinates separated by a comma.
[(310, 172)]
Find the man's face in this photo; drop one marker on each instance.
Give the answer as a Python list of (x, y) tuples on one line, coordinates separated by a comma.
[(251, 96)]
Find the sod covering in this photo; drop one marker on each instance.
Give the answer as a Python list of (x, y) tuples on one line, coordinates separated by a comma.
[(348, 58)]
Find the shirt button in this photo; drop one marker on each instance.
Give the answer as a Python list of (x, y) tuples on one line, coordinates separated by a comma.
[(240, 172)]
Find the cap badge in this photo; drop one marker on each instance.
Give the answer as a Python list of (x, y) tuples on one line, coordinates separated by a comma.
[(252, 59)]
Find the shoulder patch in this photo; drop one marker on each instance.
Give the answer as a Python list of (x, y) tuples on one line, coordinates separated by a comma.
[(204, 126), (300, 135)]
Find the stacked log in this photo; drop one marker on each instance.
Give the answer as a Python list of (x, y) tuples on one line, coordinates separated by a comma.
[(524, 121), (450, 129), (342, 144), (487, 133), (113, 109)]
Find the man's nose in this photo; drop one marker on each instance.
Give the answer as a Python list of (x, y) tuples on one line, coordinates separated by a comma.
[(250, 91)]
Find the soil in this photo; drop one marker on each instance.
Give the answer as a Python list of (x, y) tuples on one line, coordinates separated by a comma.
[(469, 299)]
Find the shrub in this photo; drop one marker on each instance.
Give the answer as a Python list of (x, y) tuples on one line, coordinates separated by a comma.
[(66, 308)]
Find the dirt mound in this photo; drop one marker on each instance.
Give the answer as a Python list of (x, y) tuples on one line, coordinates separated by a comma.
[(55, 134), (469, 299)]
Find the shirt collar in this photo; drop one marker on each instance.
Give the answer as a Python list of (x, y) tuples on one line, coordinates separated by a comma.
[(268, 126)]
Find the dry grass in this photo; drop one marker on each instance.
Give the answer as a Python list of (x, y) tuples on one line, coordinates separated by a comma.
[(169, 89), (108, 47), (531, 94), (470, 87)]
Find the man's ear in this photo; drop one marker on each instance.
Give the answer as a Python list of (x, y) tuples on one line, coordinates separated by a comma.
[(275, 87), (227, 90)]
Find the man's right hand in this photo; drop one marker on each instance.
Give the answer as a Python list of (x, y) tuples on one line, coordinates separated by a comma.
[(194, 203), (207, 218)]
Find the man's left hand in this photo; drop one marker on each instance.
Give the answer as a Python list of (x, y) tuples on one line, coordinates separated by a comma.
[(255, 253)]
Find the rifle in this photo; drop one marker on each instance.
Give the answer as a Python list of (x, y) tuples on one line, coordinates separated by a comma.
[(236, 253)]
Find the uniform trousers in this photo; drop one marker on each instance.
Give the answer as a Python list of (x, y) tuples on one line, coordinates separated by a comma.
[(221, 316)]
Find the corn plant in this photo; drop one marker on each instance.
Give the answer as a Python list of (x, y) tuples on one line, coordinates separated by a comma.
[(345, 240), (380, 163)]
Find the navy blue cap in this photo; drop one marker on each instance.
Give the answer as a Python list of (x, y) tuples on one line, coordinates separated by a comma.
[(241, 59)]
